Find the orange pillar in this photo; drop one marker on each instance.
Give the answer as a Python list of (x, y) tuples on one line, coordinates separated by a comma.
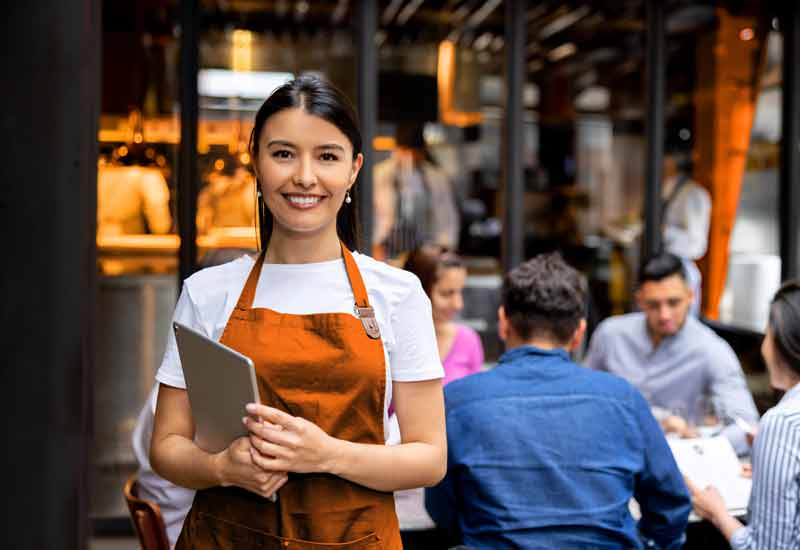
[(728, 63)]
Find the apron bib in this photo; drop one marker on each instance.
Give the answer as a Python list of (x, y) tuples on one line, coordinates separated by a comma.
[(328, 368)]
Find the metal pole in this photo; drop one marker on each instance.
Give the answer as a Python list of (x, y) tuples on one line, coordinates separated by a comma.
[(48, 213), (187, 155), (789, 203), (366, 24), (513, 234), (655, 90)]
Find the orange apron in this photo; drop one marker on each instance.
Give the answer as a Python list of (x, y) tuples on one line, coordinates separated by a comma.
[(328, 368)]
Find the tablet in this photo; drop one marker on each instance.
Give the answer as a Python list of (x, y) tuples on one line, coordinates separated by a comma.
[(220, 382)]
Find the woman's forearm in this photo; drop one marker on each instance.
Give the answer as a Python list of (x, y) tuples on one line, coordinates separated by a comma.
[(389, 467), (726, 523), (179, 460)]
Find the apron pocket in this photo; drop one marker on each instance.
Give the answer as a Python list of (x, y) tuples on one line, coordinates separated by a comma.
[(214, 532)]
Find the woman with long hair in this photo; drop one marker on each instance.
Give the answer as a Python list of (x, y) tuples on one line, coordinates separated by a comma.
[(334, 336), (774, 508)]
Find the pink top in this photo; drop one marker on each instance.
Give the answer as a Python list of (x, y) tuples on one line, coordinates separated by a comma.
[(465, 356)]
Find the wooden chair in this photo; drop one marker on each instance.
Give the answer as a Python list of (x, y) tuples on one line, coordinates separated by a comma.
[(146, 518)]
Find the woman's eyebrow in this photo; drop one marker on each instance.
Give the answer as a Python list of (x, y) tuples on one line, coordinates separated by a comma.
[(281, 142), (331, 146)]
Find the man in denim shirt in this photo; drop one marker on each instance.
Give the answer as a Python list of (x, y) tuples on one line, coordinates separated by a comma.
[(543, 453)]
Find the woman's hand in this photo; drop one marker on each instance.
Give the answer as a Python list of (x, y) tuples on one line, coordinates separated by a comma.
[(235, 467), (707, 503), (286, 443)]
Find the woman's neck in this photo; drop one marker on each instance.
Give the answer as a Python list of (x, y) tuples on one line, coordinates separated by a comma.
[(443, 328), (300, 249)]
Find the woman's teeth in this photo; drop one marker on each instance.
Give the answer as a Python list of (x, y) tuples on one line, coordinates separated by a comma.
[(303, 200)]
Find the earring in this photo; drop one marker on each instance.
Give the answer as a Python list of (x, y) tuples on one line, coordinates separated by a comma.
[(347, 198)]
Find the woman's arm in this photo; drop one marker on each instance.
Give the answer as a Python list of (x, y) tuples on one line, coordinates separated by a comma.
[(709, 505), (420, 460), (175, 457)]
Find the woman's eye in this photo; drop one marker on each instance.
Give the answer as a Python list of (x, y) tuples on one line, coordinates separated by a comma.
[(329, 157), (282, 154)]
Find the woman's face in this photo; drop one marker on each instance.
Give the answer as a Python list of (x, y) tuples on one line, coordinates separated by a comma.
[(305, 165), (447, 294), (778, 377)]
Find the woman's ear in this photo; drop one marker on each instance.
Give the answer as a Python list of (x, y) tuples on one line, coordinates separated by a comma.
[(358, 162)]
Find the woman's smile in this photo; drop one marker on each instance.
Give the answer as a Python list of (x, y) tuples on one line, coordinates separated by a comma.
[(303, 201)]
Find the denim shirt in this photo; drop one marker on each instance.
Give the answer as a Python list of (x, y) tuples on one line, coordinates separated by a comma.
[(543, 453)]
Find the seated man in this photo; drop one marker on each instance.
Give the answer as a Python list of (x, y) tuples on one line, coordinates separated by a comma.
[(680, 365), (543, 453)]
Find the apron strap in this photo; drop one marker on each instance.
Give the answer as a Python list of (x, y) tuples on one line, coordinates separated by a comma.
[(362, 308), (249, 292)]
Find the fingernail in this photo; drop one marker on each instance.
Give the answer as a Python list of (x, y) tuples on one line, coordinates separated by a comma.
[(250, 407), (245, 419)]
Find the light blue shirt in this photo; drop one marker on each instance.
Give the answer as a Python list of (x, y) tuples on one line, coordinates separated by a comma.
[(774, 509), (683, 374)]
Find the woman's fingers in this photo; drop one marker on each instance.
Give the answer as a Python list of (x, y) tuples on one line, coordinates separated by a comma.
[(275, 483), (268, 432), (271, 414)]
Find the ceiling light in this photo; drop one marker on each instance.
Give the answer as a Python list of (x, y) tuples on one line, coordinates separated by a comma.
[(564, 21), (483, 41), (561, 52)]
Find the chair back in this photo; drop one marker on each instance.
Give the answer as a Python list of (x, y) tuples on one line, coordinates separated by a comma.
[(146, 518)]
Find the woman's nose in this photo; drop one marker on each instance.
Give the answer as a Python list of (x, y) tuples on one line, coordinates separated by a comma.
[(305, 173)]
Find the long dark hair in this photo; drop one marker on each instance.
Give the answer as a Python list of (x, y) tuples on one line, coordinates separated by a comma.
[(784, 321), (319, 98)]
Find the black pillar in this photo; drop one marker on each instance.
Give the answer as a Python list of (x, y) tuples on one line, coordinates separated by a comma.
[(48, 194), (789, 203), (367, 67), (655, 71), (513, 229), (187, 155)]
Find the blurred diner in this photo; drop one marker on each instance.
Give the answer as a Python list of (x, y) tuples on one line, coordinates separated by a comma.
[(686, 372), (543, 453), (773, 519)]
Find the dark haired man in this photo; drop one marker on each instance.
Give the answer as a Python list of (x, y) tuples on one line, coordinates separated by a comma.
[(545, 454), (680, 365)]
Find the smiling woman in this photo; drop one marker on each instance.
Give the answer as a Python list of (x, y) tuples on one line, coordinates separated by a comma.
[(310, 132), (326, 375)]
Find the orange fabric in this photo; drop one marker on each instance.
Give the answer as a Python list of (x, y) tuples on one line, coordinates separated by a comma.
[(325, 368), (727, 69)]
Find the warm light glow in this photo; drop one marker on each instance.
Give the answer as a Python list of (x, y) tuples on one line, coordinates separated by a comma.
[(219, 164), (161, 160), (562, 51), (137, 138), (244, 158), (384, 143), (445, 79), (122, 151), (150, 153), (242, 51), (746, 34)]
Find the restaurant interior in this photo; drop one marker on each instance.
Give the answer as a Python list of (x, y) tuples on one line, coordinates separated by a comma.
[(442, 65)]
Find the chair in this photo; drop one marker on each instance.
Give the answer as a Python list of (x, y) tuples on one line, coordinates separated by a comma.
[(146, 518)]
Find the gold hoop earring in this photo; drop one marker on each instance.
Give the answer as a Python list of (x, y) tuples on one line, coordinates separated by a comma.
[(347, 198)]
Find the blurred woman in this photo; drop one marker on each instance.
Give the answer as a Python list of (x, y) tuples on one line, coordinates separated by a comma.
[(774, 508), (443, 275)]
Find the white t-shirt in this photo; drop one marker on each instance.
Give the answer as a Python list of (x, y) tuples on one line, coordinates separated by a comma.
[(402, 309), (173, 500)]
